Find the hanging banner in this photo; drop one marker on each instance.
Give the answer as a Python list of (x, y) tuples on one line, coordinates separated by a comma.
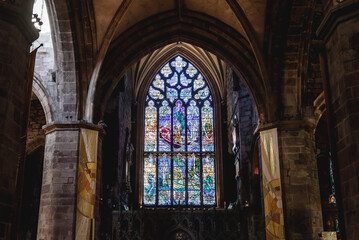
[(86, 193), (272, 191)]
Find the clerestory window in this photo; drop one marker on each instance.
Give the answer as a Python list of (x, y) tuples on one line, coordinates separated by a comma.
[(179, 150)]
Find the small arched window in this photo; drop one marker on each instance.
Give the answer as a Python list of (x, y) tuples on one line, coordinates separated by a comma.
[(179, 150)]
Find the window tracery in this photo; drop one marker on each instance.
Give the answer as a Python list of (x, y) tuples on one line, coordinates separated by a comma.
[(179, 153)]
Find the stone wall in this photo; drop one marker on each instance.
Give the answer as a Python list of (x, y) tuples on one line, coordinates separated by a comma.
[(35, 134), (117, 118), (14, 54), (59, 185), (343, 65), (240, 103), (300, 185)]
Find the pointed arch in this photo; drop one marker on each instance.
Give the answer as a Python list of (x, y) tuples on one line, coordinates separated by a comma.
[(175, 134), (45, 99), (160, 30)]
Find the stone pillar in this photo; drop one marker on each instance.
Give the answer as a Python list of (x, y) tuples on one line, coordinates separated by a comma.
[(57, 216), (16, 36), (299, 179), (340, 32), (303, 211)]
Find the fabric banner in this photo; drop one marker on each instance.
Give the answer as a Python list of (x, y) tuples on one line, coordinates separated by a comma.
[(86, 190), (329, 236), (272, 191)]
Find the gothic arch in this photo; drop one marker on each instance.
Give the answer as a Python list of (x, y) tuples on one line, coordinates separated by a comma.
[(160, 30), (64, 57), (46, 101), (211, 80)]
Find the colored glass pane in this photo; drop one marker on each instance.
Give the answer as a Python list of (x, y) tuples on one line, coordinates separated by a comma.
[(159, 83), (164, 180), (184, 80), (178, 64), (151, 128), (193, 178), (193, 128), (179, 126), (191, 70), (179, 180), (150, 180), (166, 70), (186, 94), (207, 128), (171, 94), (178, 131), (155, 94), (164, 140), (209, 194), (173, 80), (198, 83), (202, 94)]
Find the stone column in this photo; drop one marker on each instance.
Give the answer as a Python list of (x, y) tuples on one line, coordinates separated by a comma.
[(299, 180), (340, 32), (57, 216), (303, 210), (16, 36)]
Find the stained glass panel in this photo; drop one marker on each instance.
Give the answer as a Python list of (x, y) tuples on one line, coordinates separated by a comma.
[(209, 194), (194, 184), (185, 81), (164, 180), (178, 131), (207, 128), (155, 94), (174, 80), (179, 180), (179, 126), (166, 70), (193, 128), (202, 94), (171, 94), (150, 180), (159, 83), (191, 70), (165, 128), (198, 83), (186, 94), (151, 128), (178, 64)]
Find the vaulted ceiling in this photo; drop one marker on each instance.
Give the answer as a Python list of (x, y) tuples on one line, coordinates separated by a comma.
[(110, 36), (113, 17)]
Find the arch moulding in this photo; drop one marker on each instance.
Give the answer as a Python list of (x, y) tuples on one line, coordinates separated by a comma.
[(166, 28)]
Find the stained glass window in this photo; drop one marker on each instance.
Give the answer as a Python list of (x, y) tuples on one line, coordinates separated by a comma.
[(179, 157)]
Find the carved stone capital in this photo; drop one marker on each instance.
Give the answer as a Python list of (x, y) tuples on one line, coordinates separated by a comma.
[(72, 126)]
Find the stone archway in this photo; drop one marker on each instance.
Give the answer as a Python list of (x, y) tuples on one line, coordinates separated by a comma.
[(158, 31)]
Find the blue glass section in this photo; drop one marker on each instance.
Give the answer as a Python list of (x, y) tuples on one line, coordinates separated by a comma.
[(164, 180), (179, 180), (185, 81), (165, 128), (149, 176), (209, 193), (171, 94), (178, 64), (179, 123), (179, 126)]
